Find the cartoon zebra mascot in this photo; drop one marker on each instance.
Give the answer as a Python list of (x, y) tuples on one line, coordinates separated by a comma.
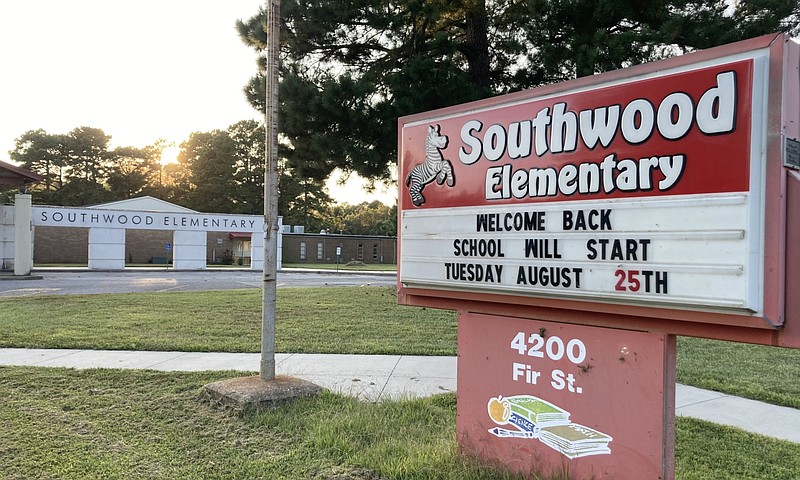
[(434, 167)]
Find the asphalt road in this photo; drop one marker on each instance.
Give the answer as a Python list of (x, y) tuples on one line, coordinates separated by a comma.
[(85, 282)]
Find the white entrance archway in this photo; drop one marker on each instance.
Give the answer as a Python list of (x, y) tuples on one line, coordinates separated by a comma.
[(107, 225)]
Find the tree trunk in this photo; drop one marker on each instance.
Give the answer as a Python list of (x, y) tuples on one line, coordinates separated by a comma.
[(476, 44), (269, 300)]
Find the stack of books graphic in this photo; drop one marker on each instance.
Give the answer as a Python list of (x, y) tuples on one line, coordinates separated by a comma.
[(539, 411), (533, 417), (575, 440), (528, 414)]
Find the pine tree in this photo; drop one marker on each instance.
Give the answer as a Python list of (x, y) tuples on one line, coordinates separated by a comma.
[(350, 68), (208, 158)]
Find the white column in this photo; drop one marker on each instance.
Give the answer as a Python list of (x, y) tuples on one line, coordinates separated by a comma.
[(23, 234), (189, 250), (106, 249), (279, 260), (257, 250)]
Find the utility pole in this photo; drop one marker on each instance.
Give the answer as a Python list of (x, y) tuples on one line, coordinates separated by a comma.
[(273, 24)]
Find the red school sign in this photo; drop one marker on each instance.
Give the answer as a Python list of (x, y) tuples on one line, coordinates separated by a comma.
[(579, 227), (539, 174), (658, 192)]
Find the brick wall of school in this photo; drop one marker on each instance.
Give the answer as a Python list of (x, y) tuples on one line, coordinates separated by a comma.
[(142, 246), (316, 248), (60, 245), (7, 235), (219, 247), (71, 245)]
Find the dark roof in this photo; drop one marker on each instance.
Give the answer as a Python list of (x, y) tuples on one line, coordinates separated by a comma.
[(13, 176)]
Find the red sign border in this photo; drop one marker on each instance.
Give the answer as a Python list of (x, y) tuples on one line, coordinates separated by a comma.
[(766, 329)]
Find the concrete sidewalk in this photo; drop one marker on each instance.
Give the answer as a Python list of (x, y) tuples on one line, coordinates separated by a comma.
[(379, 377)]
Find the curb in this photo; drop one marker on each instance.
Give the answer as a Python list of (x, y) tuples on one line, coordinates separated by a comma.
[(11, 276)]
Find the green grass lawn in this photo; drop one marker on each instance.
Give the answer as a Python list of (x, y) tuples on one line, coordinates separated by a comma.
[(114, 424), (365, 320), (310, 320), (60, 423), (769, 374)]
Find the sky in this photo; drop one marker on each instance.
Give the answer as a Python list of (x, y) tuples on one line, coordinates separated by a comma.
[(140, 71)]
